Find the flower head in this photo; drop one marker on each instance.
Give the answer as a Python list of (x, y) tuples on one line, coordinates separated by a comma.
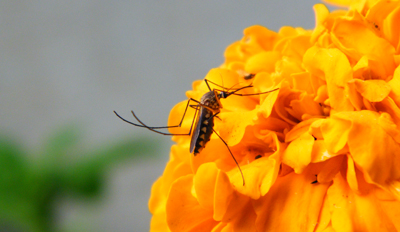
[(322, 153)]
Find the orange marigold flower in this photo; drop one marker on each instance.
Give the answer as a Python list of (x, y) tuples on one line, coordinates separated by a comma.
[(322, 153)]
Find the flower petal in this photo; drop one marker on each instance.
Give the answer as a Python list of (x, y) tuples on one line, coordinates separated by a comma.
[(333, 66), (298, 154), (258, 175), (184, 213), (262, 62), (395, 86), (234, 125), (231, 207), (355, 39), (204, 184), (373, 150), (372, 90), (353, 212), (335, 131), (386, 15), (293, 203)]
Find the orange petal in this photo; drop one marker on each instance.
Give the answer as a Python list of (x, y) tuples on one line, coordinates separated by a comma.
[(158, 222), (386, 15), (372, 90), (292, 204), (223, 195), (157, 206), (353, 212), (368, 68), (333, 66), (330, 168), (259, 176), (390, 107), (245, 219), (204, 184), (184, 213), (234, 124), (157, 200), (232, 208), (391, 29), (262, 62), (220, 76), (259, 36), (319, 152), (298, 154), (324, 220), (386, 122), (395, 86), (373, 150), (234, 53), (315, 129), (336, 133), (354, 96), (268, 103), (293, 46), (355, 38), (299, 129), (175, 168), (304, 106), (303, 81), (321, 14), (351, 174)]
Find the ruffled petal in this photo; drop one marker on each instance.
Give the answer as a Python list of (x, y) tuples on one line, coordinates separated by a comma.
[(293, 203), (333, 66), (184, 213), (373, 90), (298, 153), (355, 38), (353, 212)]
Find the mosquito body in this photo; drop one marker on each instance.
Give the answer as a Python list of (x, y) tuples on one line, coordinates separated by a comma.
[(207, 109), (210, 107)]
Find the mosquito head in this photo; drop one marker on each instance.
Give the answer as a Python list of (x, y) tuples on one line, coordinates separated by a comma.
[(223, 94)]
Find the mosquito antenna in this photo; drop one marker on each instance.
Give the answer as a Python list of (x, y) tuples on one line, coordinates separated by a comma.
[(237, 164), (222, 79), (228, 89), (251, 94), (236, 90), (224, 88)]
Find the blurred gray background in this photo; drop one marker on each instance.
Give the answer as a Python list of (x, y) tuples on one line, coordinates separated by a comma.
[(64, 61)]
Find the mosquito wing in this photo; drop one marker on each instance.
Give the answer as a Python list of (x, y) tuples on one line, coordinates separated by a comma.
[(203, 130), (196, 132)]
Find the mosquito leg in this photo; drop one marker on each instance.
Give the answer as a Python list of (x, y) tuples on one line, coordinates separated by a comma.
[(237, 164), (157, 127), (153, 128)]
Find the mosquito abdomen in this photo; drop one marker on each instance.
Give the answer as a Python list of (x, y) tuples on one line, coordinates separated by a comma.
[(203, 132)]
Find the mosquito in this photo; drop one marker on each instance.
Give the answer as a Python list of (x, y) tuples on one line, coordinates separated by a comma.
[(206, 110)]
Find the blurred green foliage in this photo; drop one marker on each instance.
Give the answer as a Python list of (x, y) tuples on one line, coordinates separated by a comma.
[(31, 183)]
